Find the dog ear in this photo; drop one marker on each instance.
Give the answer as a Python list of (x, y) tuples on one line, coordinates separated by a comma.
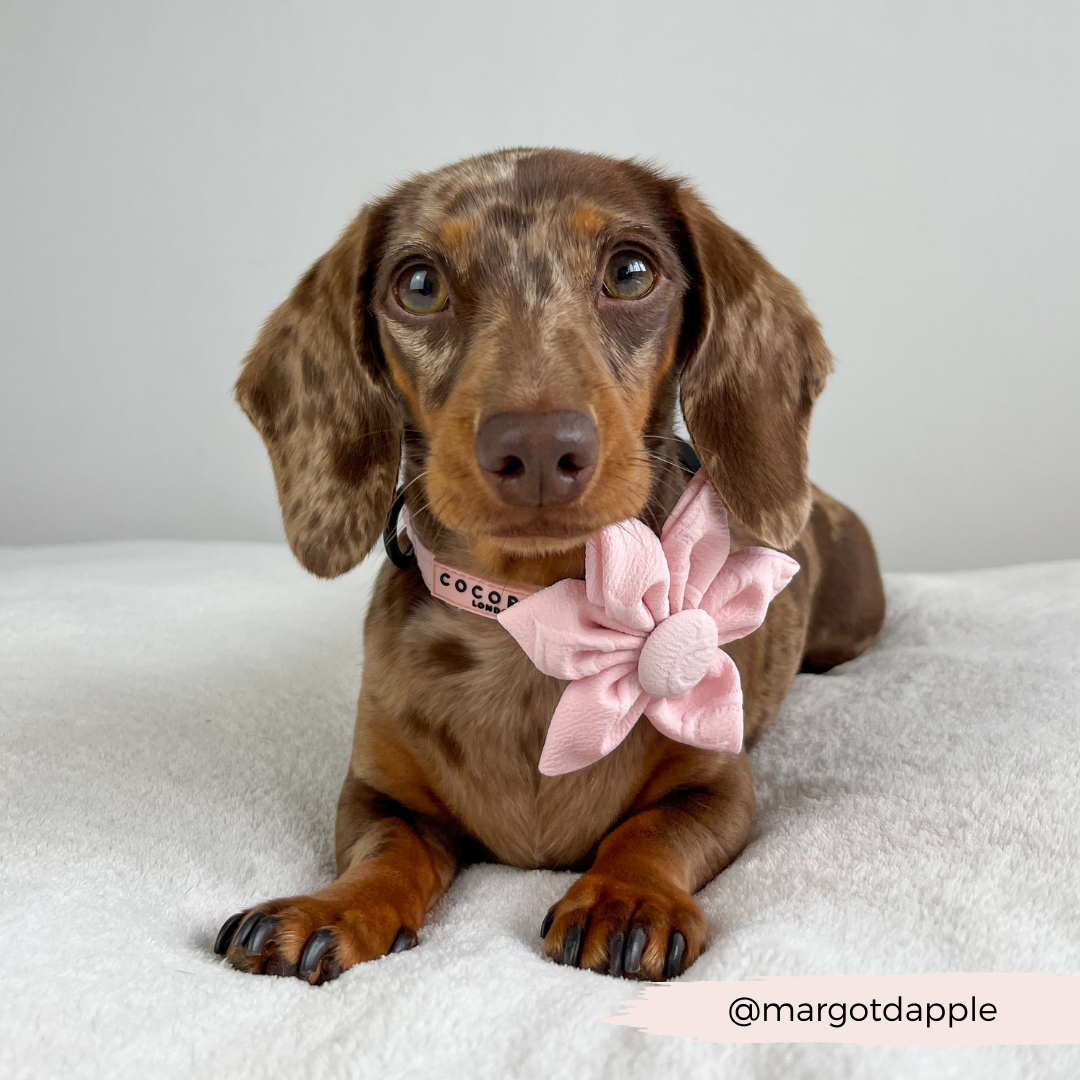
[(753, 361), (316, 387)]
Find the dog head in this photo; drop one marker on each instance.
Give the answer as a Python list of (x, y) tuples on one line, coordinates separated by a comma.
[(521, 322)]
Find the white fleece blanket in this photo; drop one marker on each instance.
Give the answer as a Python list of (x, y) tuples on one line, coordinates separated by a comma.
[(175, 721)]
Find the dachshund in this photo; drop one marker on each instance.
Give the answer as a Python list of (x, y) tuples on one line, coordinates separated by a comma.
[(510, 336)]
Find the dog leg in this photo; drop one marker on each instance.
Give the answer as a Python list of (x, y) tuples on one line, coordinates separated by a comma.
[(849, 602), (389, 877), (633, 913)]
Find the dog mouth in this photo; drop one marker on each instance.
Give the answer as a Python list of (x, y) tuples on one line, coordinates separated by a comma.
[(549, 530), (525, 542), (545, 527)]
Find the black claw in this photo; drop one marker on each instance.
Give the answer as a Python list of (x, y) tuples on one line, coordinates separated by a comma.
[(676, 950), (405, 940), (635, 946), (615, 954), (262, 930), (225, 934), (246, 927), (549, 918), (572, 945), (318, 945)]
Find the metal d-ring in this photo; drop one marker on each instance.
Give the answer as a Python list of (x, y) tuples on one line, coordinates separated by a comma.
[(401, 559)]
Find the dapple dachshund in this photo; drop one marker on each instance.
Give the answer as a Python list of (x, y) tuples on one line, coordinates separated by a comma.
[(508, 338)]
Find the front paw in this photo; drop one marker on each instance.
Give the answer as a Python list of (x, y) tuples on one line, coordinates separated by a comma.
[(312, 937), (634, 929)]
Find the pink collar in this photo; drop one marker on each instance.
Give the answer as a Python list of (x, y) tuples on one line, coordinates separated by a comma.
[(462, 590)]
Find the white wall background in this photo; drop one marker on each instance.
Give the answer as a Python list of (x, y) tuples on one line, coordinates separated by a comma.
[(168, 171)]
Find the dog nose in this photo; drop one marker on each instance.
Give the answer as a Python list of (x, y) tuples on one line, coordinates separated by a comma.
[(534, 459)]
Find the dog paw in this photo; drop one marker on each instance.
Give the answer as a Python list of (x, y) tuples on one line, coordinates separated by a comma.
[(624, 928), (312, 938)]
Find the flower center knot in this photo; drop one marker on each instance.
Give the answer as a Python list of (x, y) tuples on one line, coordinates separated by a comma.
[(678, 653)]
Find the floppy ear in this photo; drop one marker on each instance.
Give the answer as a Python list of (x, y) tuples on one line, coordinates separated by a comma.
[(316, 387), (753, 363)]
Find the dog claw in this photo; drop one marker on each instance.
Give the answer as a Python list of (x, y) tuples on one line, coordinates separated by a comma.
[(675, 953), (245, 929), (225, 934), (615, 954), (549, 918), (405, 940), (318, 945), (572, 945), (635, 946), (262, 930)]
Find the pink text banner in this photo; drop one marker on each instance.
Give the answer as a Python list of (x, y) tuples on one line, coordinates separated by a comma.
[(897, 1010)]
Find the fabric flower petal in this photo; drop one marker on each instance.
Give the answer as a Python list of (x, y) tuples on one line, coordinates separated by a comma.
[(739, 597), (627, 575), (561, 633), (593, 716), (710, 715), (695, 541)]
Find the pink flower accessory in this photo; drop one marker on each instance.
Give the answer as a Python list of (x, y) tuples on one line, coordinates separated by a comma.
[(641, 634)]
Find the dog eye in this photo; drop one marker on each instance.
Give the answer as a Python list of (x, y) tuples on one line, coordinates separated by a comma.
[(628, 277), (421, 290)]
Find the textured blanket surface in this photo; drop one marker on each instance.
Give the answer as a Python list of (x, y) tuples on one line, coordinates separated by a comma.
[(175, 722)]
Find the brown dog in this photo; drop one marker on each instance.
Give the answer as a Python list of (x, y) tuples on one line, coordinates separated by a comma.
[(517, 326)]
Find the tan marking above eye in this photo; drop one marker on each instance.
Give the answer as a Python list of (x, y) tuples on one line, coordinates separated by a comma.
[(421, 290), (456, 232), (628, 276), (589, 220)]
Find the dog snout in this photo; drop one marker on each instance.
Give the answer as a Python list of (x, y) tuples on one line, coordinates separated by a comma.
[(535, 459)]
